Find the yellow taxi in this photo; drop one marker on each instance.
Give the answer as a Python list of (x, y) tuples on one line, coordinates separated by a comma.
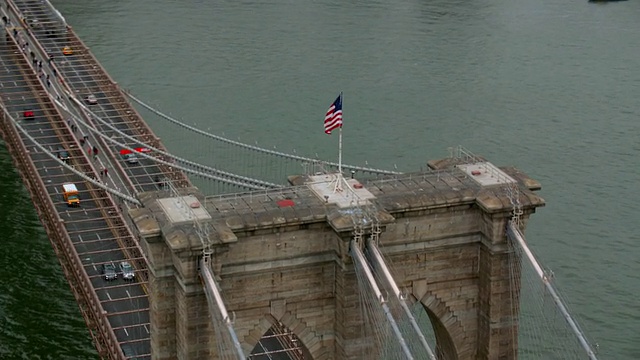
[(67, 50)]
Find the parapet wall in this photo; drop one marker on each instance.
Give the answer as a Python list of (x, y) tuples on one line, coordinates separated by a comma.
[(282, 260)]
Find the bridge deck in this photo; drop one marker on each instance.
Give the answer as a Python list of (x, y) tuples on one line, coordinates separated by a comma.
[(81, 75), (37, 87)]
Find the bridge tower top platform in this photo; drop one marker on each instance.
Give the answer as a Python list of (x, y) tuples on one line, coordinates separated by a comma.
[(282, 258)]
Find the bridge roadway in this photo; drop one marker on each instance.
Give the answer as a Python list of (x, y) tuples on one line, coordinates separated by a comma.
[(96, 232), (82, 75)]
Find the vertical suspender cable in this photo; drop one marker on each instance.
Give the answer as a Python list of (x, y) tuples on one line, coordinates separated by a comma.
[(212, 288), (360, 261), (379, 262)]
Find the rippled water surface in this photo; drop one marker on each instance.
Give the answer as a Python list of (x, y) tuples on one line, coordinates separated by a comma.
[(548, 86)]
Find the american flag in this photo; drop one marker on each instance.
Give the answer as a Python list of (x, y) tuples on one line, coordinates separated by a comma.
[(333, 119)]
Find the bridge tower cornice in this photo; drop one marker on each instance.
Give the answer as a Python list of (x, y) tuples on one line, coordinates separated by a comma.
[(282, 261), (175, 232), (450, 249)]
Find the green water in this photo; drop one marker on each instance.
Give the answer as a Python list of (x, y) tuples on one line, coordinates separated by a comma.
[(550, 87)]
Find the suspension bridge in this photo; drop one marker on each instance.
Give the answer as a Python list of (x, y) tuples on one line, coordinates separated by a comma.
[(254, 253)]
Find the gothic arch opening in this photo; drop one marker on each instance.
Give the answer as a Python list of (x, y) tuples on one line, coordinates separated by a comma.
[(435, 332), (279, 343)]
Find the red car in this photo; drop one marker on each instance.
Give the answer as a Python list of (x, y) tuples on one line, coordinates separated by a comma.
[(28, 114), (138, 149)]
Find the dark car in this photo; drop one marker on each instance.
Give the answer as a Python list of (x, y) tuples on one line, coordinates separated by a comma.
[(128, 352), (109, 271), (63, 154)]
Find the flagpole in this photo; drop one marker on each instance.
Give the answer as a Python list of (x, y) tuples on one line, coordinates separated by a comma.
[(331, 120), (340, 140)]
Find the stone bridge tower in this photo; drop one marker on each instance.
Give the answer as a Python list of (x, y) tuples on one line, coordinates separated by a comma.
[(281, 259)]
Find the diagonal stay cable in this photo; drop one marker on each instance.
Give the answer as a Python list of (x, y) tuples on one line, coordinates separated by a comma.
[(222, 176), (70, 168)]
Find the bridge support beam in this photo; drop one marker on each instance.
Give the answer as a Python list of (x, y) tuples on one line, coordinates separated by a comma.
[(193, 322), (499, 281), (283, 264), (162, 300), (498, 292), (351, 341), (161, 288), (179, 315)]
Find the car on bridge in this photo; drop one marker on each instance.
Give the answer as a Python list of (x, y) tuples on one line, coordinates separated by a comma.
[(91, 99), (67, 50), (129, 156), (63, 154), (109, 272), (129, 353), (71, 194), (28, 114), (143, 149), (34, 23), (127, 270)]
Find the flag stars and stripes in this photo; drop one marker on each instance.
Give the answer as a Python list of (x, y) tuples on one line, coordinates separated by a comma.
[(333, 119)]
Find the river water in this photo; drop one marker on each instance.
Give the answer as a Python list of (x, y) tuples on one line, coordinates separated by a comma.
[(547, 86)]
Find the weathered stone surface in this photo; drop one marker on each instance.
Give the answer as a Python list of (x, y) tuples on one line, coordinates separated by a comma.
[(146, 225), (288, 266)]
